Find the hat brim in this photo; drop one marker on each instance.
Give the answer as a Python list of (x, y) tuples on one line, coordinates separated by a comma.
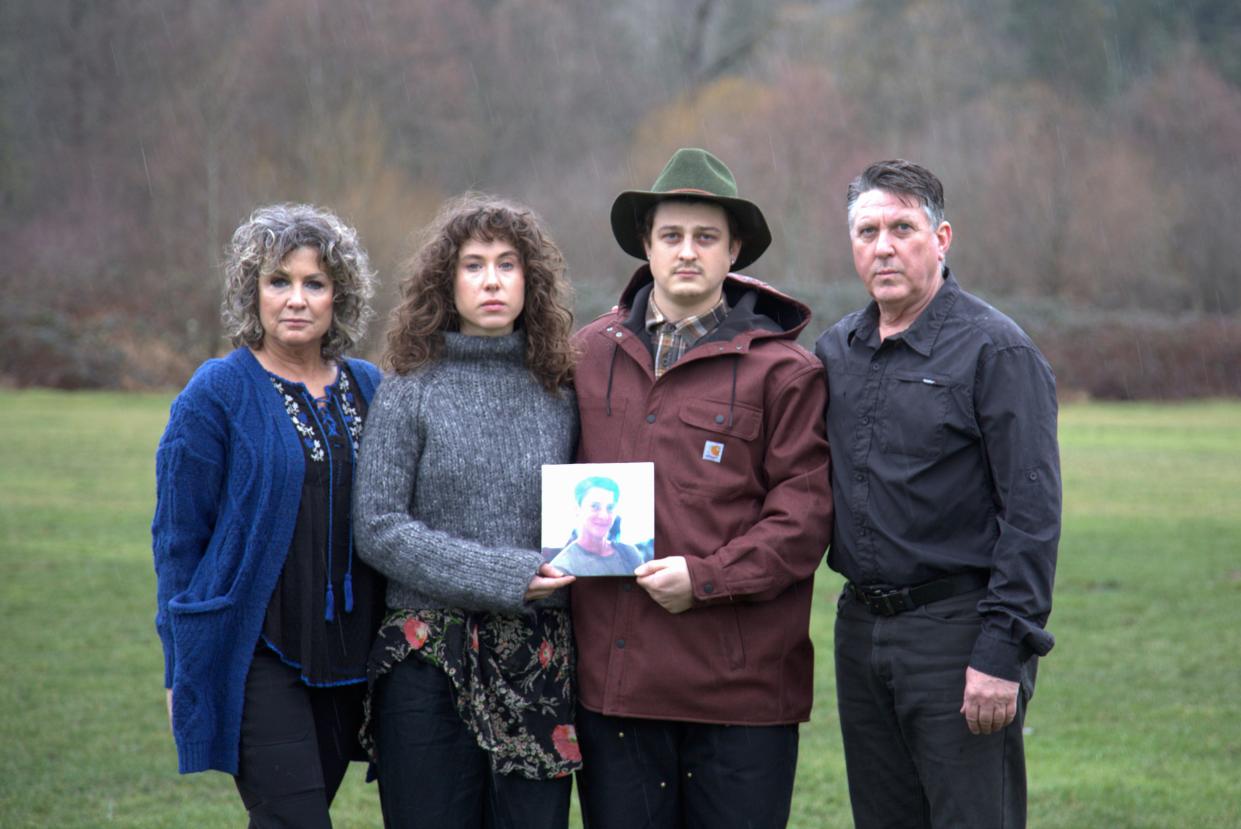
[(630, 208)]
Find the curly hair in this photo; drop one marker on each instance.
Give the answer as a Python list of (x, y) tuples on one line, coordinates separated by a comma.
[(428, 307), (262, 243)]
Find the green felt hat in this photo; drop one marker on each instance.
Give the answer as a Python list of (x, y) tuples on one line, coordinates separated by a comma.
[(697, 174)]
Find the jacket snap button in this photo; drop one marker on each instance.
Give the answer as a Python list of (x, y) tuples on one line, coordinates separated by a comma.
[(620, 643), (708, 588), (719, 418), (619, 334), (650, 418)]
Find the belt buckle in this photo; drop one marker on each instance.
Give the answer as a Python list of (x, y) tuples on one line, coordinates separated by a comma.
[(884, 602)]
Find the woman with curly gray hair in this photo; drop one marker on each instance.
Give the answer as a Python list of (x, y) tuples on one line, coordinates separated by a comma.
[(265, 613)]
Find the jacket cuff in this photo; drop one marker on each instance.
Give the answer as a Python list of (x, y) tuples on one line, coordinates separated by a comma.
[(706, 581), (997, 657)]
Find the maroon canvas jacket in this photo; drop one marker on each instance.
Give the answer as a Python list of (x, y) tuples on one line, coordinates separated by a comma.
[(753, 524)]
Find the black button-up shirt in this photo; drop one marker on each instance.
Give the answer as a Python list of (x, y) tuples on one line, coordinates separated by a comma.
[(945, 461)]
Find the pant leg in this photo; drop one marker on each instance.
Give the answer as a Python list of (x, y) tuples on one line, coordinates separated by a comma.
[(516, 802), (969, 780), (280, 776), (737, 776), (910, 757), (338, 717), (630, 776), (885, 790), (432, 773)]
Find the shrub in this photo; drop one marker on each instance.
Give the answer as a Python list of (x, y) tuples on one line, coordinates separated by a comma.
[(40, 347), (1145, 359)]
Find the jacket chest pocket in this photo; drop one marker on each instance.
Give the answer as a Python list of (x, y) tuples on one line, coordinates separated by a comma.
[(718, 446), (915, 413)]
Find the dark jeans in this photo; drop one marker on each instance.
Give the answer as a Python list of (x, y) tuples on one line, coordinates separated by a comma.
[(665, 774), (296, 743), (432, 772), (911, 759)]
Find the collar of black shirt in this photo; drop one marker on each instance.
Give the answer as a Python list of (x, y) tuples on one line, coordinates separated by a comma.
[(920, 336)]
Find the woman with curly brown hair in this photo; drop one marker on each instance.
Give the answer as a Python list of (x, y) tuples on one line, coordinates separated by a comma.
[(471, 705)]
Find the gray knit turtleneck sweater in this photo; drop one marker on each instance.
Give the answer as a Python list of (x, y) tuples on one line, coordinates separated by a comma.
[(446, 498)]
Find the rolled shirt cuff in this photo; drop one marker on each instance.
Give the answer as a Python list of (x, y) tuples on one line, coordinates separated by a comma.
[(998, 657)]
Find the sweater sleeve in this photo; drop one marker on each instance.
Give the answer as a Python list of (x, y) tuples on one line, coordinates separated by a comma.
[(456, 571), (190, 465)]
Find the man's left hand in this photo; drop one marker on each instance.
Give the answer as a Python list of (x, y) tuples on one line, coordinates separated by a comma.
[(990, 702), (667, 581)]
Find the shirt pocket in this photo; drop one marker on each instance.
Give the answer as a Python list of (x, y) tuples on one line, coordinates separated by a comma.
[(915, 413), (722, 446)]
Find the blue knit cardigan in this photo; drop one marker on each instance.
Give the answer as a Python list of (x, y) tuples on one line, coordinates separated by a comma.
[(228, 480)]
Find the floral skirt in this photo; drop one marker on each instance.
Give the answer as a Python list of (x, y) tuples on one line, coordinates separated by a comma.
[(512, 681)]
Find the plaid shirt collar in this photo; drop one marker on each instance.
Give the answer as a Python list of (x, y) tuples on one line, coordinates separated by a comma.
[(672, 339)]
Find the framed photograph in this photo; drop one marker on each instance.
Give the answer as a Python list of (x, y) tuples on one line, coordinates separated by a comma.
[(598, 518)]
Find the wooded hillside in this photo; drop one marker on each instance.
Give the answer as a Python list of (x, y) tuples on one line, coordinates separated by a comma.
[(1090, 149)]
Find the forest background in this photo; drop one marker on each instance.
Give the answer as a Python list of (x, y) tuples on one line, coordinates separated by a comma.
[(1090, 149)]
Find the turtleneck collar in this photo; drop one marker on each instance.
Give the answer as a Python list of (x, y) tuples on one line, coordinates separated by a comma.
[(508, 348)]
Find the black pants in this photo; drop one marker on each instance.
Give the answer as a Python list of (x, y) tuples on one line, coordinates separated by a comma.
[(664, 774), (296, 743), (911, 759), (433, 774)]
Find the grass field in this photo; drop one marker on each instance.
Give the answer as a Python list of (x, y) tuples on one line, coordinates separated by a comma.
[(1136, 722)]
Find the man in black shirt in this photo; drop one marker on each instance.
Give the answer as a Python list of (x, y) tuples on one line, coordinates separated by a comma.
[(946, 482)]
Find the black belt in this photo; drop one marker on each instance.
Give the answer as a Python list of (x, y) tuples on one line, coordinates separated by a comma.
[(884, 600)]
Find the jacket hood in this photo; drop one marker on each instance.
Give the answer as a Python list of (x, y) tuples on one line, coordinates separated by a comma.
[(754, 304)]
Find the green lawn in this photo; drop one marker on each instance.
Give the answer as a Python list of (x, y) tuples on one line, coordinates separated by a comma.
[(1136, 723)]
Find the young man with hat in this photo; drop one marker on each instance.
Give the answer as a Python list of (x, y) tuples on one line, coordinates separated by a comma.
[(694, 676)]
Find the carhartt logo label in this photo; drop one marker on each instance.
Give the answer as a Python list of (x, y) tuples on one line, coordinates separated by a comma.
[(713, 451)]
